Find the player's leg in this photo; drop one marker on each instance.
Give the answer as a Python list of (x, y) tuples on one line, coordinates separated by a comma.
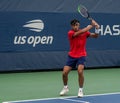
[(80, 79), (71, 63), (80, 65), (65, 73), (66, 70), (81, 75)]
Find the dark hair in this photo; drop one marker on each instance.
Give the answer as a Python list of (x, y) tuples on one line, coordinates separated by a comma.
[(74, 21)]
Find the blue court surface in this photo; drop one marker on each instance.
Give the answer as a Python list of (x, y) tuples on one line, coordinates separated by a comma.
[(96, 98)]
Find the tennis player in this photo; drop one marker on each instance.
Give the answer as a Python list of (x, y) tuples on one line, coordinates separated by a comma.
[(77, 54)]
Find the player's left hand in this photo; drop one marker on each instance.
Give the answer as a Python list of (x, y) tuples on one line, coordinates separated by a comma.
[(97, 26)]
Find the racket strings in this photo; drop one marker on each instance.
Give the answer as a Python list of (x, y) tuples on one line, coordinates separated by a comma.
[(84, 12)]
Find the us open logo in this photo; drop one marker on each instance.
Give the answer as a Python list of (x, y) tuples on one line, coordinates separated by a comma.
[(35, 26)]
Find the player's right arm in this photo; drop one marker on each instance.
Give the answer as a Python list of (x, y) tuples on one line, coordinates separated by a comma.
[(81, 31), (93, 24)]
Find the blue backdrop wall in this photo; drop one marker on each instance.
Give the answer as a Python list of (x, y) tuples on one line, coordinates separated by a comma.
[(33, 33)]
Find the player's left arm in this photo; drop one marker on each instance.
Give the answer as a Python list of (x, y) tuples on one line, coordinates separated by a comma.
[(93, 35)]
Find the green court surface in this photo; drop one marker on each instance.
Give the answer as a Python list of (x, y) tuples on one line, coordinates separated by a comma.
[(37, 85)]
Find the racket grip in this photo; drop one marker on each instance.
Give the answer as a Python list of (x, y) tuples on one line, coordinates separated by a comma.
[(90, 19)]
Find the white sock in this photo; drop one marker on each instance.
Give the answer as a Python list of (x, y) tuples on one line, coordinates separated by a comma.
[(65, 86), (80, 89)]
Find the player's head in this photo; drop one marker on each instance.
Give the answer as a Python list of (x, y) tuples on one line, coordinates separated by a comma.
[(75, 24)]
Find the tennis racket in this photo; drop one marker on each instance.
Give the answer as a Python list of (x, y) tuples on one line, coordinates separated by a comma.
[(84, 12)]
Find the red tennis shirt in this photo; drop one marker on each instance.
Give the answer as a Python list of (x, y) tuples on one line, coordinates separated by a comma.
[(77, 44)]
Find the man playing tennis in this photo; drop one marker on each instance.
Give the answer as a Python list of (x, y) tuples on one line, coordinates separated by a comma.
[(76, 56)]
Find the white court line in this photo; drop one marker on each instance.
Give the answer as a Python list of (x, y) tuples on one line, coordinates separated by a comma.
[(80, 101), (102, 94), (60, 97)]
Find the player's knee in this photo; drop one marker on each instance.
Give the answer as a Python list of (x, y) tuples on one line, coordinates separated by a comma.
[(80, 71), (66, 70), (65, 73)]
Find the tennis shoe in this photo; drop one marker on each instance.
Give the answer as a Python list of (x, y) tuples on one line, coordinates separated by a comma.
[(80, 94), (64, 91)]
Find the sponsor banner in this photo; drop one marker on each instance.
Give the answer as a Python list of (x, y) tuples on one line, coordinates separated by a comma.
[(42, 31), (109, 32), (30, 31)]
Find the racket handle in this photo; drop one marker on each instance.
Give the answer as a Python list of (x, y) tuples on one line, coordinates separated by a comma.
[(90, 19)]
